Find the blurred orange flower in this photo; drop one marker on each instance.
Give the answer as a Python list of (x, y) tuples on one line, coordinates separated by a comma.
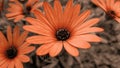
[(17, 11), (111, 7), (13, 49), (57, 29)]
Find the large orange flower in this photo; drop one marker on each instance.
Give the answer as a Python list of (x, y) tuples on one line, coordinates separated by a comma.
[(13, 49), (58, 29), (111, 7), (17, 11)]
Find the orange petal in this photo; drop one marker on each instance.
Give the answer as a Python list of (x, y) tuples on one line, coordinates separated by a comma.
[(5, 65), (18, 18), (40, 39), (90, 38), (12, 10), (101, 4), (9, 35), (36, 6), (78, 42), (24, 45), (33, 21), (11, 64), (82, 17), (13, 14), (56, 49), (88, 30), (58, 12), (70, 49), (14, 6), (68, 6), (2, 57), (42, 18), (116, 5), (22, 38), (31, 2), (18, 64), (76, 12), (24, 58), (108, 4), (49, 12), (3, 39), (38, 23), (27, 50), (44, 49), (38, 30), (3, 62), (68, 12), (16, 34), (111, 3), (88, 23)]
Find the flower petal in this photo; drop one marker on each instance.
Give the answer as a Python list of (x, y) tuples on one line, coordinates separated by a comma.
[(101, 4), (5, 65), (44, 49), (68, 13), (56, 49), (38, 23), (90, 38), (88, 30), (40, 39), (16, 34), (26, 50), (18, 18), (76, 12), (42, 18), (58, 12), (22, 38), (24, 58), (18, 64), (88, 23), (13, 14), (49, 14), (9, 35), (3, 39), (24, 45), (30, 3), (70, 49), (81, 18), (11, 64), (78, 42), (38, 30)]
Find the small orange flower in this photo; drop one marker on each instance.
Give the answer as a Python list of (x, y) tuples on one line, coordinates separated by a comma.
[(13, 49), (58, 29), (111, 7), (17, 11)]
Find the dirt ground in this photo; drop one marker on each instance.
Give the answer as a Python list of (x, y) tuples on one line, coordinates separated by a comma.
[(105, 54)]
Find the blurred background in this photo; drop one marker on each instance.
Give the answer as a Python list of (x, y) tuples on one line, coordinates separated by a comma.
[(105, 54)]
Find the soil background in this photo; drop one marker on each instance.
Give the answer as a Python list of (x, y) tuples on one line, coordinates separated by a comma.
[(105, 54)]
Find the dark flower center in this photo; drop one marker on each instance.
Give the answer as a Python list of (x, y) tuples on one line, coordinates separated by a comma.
[(11, 52), (111, 13), (28, 9), (62, 34), (23, 1)]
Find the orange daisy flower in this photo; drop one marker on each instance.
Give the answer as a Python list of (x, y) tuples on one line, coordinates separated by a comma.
[(57, 29), (13, 49), (17, 11), (111, 7)]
